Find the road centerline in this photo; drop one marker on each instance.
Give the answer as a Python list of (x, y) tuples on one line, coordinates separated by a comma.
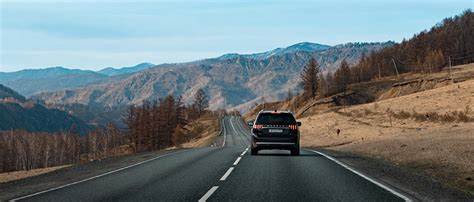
[(229, 171), (208, 193), (226, 174), (237, 160)]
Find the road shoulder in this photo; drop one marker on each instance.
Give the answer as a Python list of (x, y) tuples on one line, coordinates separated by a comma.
[(73, 173), (408, 180)]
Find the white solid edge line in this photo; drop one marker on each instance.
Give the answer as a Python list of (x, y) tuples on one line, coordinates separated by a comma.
[(97, 176), (243, 133), (223, 126), (363, 176), (237, 160), (208, 194), (227, 174), (232, 125)]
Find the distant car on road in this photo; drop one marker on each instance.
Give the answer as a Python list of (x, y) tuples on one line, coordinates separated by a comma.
[(275, 130)]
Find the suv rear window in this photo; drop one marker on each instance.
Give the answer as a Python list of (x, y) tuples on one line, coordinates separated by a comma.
[(276, 119)]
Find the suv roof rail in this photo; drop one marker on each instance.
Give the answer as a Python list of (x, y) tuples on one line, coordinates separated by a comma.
[(275, 110)]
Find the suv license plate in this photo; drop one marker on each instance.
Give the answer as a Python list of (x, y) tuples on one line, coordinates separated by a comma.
[(275, 130)]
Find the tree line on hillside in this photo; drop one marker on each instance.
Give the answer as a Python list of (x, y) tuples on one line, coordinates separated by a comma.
[(447, 43), (151, 126), (160, 124), (314, 82)]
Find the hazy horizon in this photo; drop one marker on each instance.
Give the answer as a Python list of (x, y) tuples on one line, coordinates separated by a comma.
[(93, 35)]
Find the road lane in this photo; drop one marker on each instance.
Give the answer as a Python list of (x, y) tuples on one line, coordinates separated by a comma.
[(276, 176), (225, 173)]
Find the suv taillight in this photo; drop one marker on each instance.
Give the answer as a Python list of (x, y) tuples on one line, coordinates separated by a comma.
[(257, 129), (293, 127)]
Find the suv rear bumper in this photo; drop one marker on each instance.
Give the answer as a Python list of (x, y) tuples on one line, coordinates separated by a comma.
[(274, 143)]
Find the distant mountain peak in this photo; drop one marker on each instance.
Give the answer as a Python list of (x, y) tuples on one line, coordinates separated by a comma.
[(145, 63), (110, 71), (303, 46), (307, 46)]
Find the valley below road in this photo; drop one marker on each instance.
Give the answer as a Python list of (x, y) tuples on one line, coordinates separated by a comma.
[(223, 172)]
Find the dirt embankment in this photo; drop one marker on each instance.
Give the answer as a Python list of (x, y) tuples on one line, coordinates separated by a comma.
[(202, 132)]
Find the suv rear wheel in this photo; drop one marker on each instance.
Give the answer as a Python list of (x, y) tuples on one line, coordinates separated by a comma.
[(253, 151), (295, 151)]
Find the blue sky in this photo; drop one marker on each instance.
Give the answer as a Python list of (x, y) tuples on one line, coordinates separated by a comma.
[(92, 35)]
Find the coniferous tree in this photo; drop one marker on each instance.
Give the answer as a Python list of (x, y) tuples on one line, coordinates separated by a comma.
[(289, 95), (180, 112), (342, 77), (201, 102), (309, 78)]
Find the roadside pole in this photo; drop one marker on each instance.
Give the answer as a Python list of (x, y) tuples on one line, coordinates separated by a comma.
[(395, 65)]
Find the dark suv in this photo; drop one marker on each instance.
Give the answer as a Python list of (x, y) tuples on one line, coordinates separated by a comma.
[(275, 130)]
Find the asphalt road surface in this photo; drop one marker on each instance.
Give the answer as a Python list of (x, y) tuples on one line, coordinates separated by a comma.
[(227, 172)]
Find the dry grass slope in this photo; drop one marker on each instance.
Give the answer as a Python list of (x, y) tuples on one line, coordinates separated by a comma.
[(432, 131), (11, 176)]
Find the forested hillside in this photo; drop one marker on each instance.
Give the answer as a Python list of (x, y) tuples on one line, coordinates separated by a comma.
[(6, 92), (18, 113), (448, 43)]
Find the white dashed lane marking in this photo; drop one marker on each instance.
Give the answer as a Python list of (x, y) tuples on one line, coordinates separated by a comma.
[(237, 160), (229, 171), (227, 174), (208, 194)]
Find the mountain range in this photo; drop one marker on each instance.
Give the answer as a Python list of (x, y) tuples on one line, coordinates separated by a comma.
[(31, 81), (62, 96), (110, 71), (232, 80)]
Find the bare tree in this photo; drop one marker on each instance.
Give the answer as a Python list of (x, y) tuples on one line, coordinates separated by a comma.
[(323, 87)]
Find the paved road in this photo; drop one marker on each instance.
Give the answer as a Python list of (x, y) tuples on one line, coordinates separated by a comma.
[(227, 172)]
